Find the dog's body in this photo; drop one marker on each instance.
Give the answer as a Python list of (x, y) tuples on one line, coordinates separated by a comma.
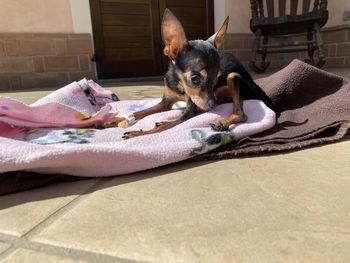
[(200, 76)]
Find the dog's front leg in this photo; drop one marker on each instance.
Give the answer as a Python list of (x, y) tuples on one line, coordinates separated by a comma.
[(190, 111), (231, 90), (165, 105)]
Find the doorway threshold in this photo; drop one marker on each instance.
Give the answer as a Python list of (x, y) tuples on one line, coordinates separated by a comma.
[(136, 79)]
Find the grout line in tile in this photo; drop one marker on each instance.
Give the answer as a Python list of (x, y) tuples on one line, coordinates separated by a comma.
[(64, 209), (8, 239), (73, 253), (7, 252), (26, 242), (58, 212)]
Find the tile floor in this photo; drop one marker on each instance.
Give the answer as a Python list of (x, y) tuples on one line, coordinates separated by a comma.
[(290, 207)]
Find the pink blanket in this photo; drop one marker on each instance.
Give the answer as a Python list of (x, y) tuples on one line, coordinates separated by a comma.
[(57, 134)]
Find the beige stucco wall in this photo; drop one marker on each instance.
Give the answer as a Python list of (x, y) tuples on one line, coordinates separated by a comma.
[(35, 16), (219, 13), (73, 16), (240, 14), (336, 9)]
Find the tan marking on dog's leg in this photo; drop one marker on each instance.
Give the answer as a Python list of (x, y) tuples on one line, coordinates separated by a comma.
[(237, 114), (165, 125), (170, 97), (161, 106), (159, 127)]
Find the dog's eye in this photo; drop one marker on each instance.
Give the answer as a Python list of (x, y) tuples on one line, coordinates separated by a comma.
[(196, 79)]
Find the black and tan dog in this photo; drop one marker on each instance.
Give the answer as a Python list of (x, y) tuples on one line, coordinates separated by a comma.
[(200, 76)]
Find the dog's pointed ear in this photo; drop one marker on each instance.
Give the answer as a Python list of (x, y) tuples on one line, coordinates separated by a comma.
[(218, 38), (173, 34)]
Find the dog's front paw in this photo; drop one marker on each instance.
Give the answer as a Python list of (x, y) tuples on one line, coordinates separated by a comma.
[(110, 124), (223, 125), (132, 134), (219, 126)]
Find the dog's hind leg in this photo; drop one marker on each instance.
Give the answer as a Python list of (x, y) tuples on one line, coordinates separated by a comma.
[(231, 90)]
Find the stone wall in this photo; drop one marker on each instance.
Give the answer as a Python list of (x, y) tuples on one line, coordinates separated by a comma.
[(336, 40), (30, 61), (44, 60)]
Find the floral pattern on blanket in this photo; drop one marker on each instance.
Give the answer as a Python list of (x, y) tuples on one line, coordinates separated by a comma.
[(2, 109), (209, 142), (137, 107), (77, 136)]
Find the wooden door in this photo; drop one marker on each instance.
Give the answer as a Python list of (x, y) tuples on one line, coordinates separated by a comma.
[(126, 38), (196, 16), (127, 35)]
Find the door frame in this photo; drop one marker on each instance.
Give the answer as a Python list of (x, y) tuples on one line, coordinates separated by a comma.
[(96, 21)]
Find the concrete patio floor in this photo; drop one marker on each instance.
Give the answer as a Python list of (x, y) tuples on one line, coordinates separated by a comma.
[(287, 207)]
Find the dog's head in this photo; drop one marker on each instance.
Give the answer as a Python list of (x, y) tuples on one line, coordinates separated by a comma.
[(196, 62)]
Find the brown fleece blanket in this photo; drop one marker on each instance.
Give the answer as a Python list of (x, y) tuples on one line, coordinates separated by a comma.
[(313, 107), (13, 182)]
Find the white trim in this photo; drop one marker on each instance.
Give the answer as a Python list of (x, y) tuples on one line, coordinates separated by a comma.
[(219, 13), (81, 16)]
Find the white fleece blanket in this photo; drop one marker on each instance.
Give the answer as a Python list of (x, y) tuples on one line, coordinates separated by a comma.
[(57, 135)]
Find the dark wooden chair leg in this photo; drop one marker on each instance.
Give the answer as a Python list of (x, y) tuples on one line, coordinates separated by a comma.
[(256, 50), (310, 48), (252, 63), (321, 56), (264, 63)]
